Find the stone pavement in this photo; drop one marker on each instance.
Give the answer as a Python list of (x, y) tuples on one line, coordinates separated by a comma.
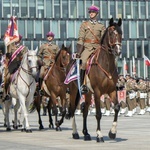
[(133, 134)]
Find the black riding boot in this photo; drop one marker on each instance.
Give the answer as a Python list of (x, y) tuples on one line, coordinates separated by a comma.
[(40, 87), (84, 89)]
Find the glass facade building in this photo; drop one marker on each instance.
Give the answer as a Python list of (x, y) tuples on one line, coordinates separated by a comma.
[(64, 17)]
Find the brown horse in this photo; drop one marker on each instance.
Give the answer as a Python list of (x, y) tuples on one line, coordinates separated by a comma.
[(54, 87), (102, 78)]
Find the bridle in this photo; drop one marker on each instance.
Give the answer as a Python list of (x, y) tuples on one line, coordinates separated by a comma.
[(115, 42)]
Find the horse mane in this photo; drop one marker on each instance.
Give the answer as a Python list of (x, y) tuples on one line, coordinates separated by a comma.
[(117, 27), (63, 48)]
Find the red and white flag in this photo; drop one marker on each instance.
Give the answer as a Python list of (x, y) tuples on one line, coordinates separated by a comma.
[(11, 34), (147, 61), (133, 66), (125, 67)]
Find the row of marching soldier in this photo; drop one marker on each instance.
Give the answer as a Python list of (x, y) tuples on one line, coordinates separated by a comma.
[(133, 96)]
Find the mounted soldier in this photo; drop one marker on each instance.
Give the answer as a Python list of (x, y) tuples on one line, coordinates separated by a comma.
[(14, 55), (90, 34), (46, 54)]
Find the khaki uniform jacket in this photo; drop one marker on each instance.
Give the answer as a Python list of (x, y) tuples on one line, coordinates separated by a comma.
[(14, 65), (130, 86), (90, 40), (47, 53), (141, 87)]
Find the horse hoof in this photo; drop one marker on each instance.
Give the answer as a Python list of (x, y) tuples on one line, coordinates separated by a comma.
[(28, 131), (22, 130), (58, 129), (15, 127), (19, 125), (51, 126), (87, 137), (100, 139), (75, 136), (112, 135), (8, 129), (5, 125), (41, 127)]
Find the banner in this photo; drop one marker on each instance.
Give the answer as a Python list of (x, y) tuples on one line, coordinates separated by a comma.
[(11, 34), (121, 96), (72, 74)]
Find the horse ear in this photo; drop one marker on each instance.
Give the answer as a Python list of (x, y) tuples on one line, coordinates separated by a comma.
[(119, 22), (63, 46), (111, 21), (36, 50)]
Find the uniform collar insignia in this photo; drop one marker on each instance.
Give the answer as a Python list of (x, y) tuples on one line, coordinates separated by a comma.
[(93, 21)]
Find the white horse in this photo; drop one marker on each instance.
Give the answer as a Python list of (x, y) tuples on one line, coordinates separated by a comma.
[(22, 88)]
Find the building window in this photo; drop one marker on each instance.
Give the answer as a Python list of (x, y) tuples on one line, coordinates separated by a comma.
[(126, 29), (81, 9), (104, 9), (57, 8), (38, 29), (112, 9), (120, 10), (7, 12), (30, 29), (141, 29), (63, 29), (32, 8), (139, 49), (4, 25), (135, 10), (40, 8), (21, 27), (142, 10), (49, 9), (131, 49), (124, 49), (148, 10), (128, 10), (64, 9), (70, 26), (24, 12), (73, 9), (55, 28), (133, 29), (46, 27), (148, 29)]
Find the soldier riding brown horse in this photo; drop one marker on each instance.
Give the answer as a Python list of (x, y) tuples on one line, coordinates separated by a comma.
[(53, 87), (102, 78)]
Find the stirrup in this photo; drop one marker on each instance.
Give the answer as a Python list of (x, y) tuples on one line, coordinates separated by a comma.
[(6, 98), (84, 89), (41, 92)]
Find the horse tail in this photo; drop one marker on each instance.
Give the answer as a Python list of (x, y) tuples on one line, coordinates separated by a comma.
[(32, 108)]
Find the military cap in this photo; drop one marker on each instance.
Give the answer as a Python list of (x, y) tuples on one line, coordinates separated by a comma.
[(93, 8), (50, 34)]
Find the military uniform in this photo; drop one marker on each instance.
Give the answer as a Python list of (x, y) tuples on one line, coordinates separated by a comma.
[(120, 86), (141, 87), (90, 34), (130, 96), (47, 54), (12, 64)]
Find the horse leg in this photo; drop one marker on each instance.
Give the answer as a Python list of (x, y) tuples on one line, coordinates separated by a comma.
[(37, 103), (99, 137), (7, 108), (24, 107), (113, 130), (87, 136), (16, 111), (75, 134), (49, 107)]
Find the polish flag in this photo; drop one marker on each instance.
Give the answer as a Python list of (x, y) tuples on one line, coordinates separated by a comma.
[(147, 61)]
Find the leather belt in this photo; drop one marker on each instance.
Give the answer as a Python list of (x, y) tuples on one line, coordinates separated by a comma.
[(93, 41)]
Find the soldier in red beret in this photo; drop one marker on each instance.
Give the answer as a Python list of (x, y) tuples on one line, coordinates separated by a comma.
[(90, 34)]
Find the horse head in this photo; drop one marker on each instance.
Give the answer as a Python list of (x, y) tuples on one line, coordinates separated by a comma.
[(63, 57), (31, 61), (113, 34)]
